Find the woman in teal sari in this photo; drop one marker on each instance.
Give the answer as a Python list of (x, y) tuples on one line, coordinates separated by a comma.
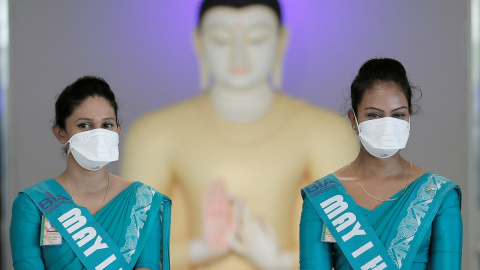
[(86, 217), (381, 211)]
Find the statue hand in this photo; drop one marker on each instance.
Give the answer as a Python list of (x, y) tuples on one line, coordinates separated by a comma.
[(256, 240), (218, 221), (218, 218)]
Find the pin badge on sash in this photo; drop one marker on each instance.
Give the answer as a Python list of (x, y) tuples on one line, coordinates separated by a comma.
[(49, 236), (327, 235)]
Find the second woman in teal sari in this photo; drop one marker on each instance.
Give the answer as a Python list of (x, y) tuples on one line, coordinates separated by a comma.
[(86, 217), (381, 211)]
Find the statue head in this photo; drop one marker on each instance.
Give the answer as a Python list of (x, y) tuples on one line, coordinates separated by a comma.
[(240, 43), (209, 4)]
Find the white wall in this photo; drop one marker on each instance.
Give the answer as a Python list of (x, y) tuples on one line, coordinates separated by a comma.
[(144, 50)]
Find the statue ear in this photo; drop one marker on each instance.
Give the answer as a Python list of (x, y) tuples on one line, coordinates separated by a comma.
[(277, 74), (202, 62)]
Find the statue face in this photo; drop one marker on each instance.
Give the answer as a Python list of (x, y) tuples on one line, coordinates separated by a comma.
[(240, 46)]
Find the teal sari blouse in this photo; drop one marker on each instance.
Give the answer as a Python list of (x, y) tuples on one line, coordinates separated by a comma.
[(141, 235), (440, 248)]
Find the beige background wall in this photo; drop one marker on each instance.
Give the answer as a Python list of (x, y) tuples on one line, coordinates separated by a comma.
[(144, 50)]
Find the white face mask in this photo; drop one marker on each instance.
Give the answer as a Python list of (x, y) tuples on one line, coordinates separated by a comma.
[(383, 137), (94, 148)]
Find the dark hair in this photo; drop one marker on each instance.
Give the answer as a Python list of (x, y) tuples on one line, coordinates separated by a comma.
[(386, 70), (74, 94), (208, 4)]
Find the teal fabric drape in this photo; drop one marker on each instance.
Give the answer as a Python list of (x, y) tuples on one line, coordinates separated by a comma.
[(439, 248), (139, 228)]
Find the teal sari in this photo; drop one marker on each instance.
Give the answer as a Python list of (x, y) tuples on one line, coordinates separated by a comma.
[(134, 227), (420, 230)]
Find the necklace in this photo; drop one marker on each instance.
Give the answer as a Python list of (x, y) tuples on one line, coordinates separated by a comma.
[(381, 200), (104, 197)]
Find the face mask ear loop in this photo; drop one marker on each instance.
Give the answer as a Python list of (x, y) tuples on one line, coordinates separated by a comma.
[(409, 119), (358, 128), (67, 146)]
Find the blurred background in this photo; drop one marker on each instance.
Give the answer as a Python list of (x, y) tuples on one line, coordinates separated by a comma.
[(145, 51)]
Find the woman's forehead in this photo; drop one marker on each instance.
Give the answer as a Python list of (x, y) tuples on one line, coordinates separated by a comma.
[(383, 93), (94, 107)]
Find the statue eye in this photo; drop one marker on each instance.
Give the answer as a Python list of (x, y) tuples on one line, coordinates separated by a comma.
[(220, 39), (257, 40), (257, 37)]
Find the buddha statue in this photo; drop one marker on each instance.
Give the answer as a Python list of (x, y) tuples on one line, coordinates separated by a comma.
[(234, 157)]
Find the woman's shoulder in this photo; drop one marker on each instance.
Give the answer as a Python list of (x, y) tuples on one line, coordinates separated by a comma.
[(438, 180), (141, 188), (25, 195), (439, 177), (40, 185), (321, 185), (440, 187), (22, 199), (445, 191), (24, 204), (123, 185), (453, 191), (433, 181)]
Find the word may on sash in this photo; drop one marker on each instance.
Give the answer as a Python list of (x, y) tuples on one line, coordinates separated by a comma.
[(74, 223), (348, 227)]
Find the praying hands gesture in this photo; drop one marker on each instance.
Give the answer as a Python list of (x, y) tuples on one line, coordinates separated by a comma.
[(229, 227), (218, 222)]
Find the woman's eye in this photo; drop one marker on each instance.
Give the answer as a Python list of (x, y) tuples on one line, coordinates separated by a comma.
[(399, 115), (108, 125), (374, 115), (83, 125)]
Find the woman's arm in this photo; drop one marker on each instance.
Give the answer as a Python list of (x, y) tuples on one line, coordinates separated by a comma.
[(156, 253), (446, 241), (150, 257), (25, 234), (314, 254)]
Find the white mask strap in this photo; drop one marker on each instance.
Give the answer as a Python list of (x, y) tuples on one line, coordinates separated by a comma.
[(66, 145), (358, 129)]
